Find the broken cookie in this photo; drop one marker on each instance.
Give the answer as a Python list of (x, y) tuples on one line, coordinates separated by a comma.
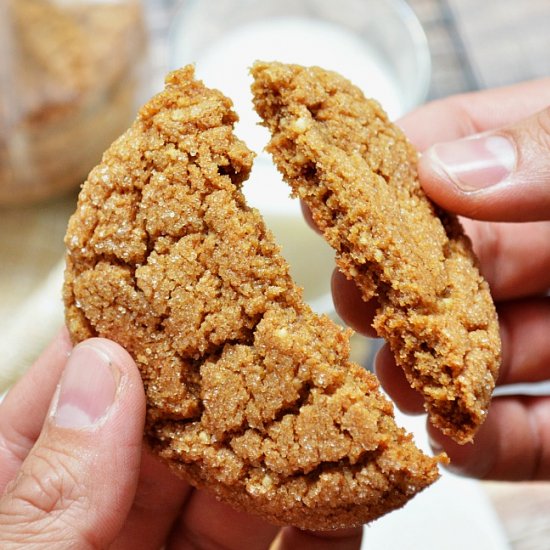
[(249, 393), (356, 171)]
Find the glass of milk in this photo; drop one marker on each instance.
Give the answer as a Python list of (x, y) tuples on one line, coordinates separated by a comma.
[(378, 44)]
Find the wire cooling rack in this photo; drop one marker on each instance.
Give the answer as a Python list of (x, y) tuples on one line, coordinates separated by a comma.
[(474, 44), (483, 44)]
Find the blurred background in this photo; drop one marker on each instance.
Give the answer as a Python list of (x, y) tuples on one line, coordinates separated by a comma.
[(72, 74)]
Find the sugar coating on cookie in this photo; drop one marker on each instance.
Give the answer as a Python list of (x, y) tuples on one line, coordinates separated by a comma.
[(358, 174), (249, 393)]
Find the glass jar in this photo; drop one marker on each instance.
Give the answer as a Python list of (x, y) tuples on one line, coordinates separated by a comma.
[(67, 83)]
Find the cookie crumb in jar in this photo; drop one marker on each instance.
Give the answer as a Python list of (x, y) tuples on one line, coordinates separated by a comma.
[(65, 97)]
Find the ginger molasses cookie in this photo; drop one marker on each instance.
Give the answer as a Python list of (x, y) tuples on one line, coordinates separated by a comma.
[(357, 173)]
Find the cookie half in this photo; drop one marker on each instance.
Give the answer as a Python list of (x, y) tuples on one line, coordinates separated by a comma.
[(358, 174), (249, 393)]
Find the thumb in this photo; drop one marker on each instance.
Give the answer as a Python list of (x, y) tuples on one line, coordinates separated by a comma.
[(76, 485), (502, 175)]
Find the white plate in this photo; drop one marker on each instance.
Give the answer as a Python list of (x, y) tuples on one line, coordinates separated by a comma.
[(454, 513)]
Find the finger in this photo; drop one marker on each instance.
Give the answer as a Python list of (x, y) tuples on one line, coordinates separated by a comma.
[(308, 216), (501, 175), (157, 503), (351, 307), (77, 483), (462, 115), (395, 384), (514, 258), (513, 444), (32, 394), (343, 539), (525, 326), (208, 523)]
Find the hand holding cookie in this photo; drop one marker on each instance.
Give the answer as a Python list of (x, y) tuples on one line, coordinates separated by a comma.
[(244, 391), (73, 473), (486, 156)]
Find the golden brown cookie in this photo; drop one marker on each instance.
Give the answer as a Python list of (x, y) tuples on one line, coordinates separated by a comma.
[(357, 173), (249, 393)]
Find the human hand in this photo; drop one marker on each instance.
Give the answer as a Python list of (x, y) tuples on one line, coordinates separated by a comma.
[(73, 473), (501, 173)]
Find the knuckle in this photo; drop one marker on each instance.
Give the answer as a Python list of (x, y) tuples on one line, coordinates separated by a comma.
[(459, 106), (42, 502), (14, 444), (542, 128), (49, 484)]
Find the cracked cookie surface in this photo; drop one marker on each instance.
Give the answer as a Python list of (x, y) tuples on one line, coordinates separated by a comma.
[(249, 393), (357, 173)]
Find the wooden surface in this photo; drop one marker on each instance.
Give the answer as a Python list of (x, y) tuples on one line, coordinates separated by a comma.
[(505, 40)]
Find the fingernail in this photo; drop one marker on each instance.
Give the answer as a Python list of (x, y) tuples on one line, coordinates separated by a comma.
[(475, 163), (87, 388)]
